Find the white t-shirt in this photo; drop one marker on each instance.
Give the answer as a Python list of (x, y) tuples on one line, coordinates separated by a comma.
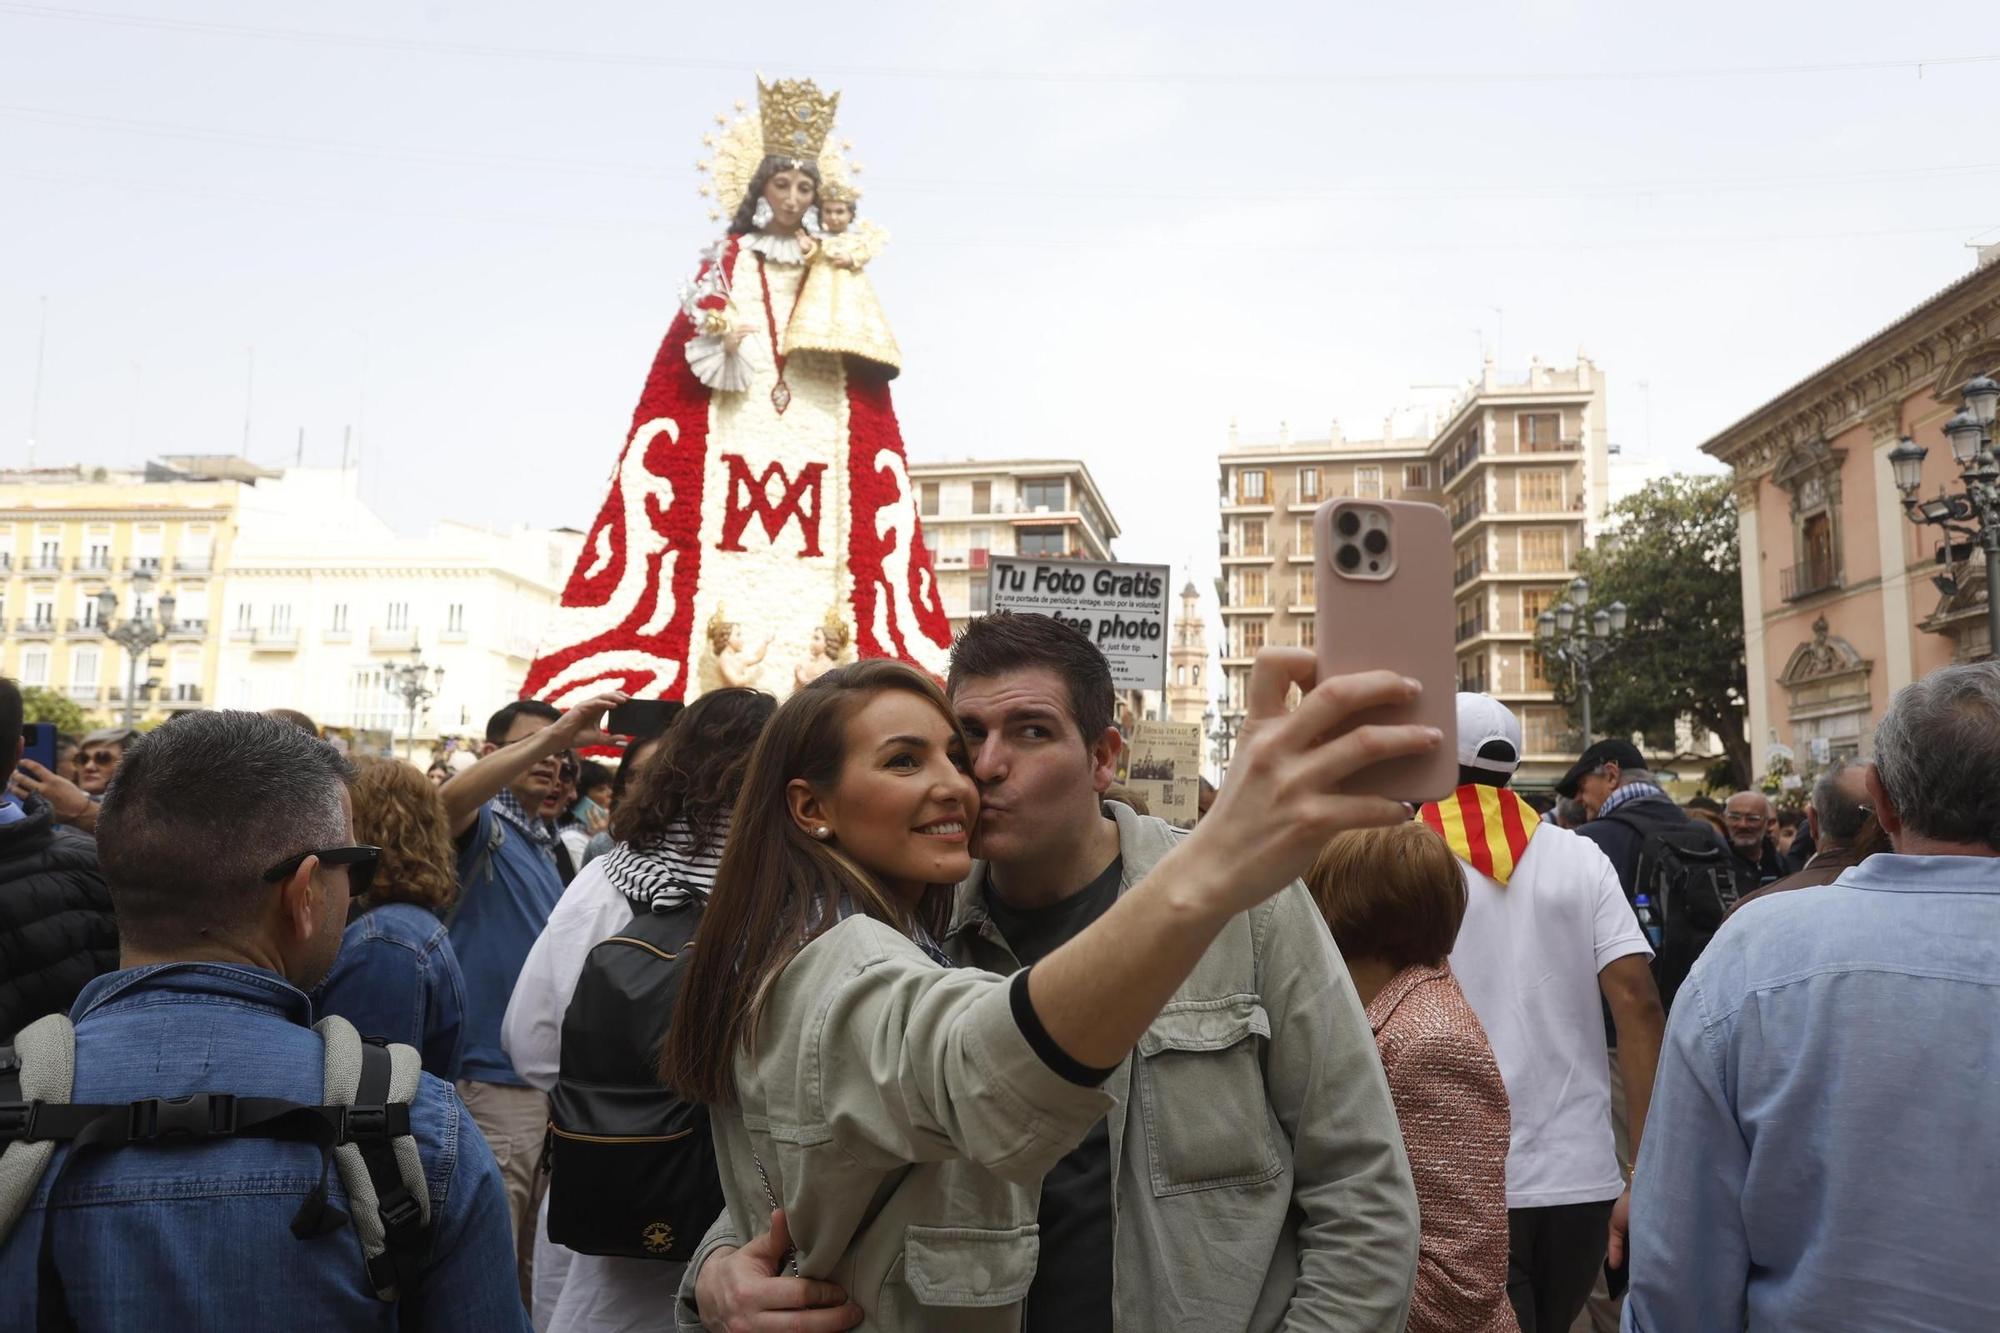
[(1527, 958)]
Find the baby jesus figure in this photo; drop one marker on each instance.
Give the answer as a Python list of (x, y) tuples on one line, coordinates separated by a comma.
[(837, 310)]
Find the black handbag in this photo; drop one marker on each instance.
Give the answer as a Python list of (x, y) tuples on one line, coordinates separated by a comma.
[(632, 1165)]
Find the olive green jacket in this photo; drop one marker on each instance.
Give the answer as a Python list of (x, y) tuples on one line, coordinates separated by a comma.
[(1258, 1171)]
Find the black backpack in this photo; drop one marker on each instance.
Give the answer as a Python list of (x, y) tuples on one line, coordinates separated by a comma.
[(1685, 870), (632, 1166)]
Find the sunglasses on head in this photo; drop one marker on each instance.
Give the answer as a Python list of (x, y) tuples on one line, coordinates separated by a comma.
[(360, 863), (98, 759)]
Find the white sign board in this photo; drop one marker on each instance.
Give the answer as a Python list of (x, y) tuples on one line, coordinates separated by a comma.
[(1120, 608), (1163, 764)]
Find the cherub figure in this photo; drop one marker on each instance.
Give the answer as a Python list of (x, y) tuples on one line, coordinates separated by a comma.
[(827, 650), (728, 663)]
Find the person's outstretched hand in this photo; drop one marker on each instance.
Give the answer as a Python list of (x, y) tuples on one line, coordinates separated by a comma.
[(740, 1291), (70, 802), (1284, 797), (583, 725)]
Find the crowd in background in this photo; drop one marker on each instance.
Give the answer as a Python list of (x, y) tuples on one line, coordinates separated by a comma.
[(1325, 1062)]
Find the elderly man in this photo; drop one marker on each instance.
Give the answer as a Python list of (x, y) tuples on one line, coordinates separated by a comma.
[(1834, 820), (1816, 1155), (1752, 820)]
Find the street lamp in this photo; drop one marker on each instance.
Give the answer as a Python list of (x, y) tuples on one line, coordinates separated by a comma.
[(415, 685), (1572, 635), (1223, 735), (136, 634), (1974, 512)]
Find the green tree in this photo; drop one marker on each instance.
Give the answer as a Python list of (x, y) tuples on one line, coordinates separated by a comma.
[(44, 705), (1671, 556)]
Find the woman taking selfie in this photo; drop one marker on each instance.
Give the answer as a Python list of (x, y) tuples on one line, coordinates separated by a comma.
[(901, 1112)]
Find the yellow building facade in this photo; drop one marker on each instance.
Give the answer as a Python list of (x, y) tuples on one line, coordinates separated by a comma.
[(68, 535)]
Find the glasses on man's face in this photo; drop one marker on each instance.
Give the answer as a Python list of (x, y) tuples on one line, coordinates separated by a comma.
[(360, 863), (1754, 821), (98, 759)]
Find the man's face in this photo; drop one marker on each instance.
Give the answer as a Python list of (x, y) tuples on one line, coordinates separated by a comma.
[(1747, 817), (1038, 781), (541, 782), (95, 765), (1596, 786)]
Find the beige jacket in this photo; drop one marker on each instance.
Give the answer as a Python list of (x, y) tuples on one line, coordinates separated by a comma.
[(905, 1126), (1257, 1165)]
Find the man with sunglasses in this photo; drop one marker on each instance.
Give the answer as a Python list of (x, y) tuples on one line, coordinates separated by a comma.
[(509, 881), (227, 842)]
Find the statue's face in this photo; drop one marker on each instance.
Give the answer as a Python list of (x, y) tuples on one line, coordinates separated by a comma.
[(836, 215), (790, 194), (736, 637), (819, 642)]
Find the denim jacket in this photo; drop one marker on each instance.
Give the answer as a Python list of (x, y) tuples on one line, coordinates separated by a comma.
[(397, 977), (198, 1236)]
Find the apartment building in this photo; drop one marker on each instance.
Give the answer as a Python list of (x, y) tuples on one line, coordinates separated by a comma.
[(69, 534), (974, 510), (1521, 467), (325, 601)]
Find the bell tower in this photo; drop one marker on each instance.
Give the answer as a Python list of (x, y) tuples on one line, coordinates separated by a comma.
[(1187, 661)]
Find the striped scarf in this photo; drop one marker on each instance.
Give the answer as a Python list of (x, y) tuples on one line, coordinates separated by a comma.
[(1487, 827), (663, 875)]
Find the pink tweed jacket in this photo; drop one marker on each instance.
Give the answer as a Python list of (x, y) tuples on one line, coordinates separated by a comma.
[(1453, 1110)]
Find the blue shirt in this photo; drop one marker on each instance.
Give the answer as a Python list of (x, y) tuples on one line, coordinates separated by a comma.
[(1821, 1148), (397, 977), (507, 886), (188, 1236)]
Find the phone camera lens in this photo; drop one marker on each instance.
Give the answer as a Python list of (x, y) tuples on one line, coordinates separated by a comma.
[(1376, 542), (1349, 558), (1349, 523)]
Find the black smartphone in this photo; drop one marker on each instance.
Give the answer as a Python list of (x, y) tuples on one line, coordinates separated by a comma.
[(642, 717), (1617, 1279), (41, 743)]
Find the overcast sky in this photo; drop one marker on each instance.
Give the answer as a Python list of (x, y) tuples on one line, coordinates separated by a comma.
[(459, 228)]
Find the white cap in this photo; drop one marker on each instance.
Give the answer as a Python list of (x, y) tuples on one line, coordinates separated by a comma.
[(1482, 719)]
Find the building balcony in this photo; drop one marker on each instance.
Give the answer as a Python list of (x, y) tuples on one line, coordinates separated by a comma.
[(342, 634), (188, 629), (38, 566), (85, 694), (1814, 576), (92, 564), (36, 629), (194, 564), (1469, 629), (148, 565), (391, 640), (452, 636), (275, 640), (183, 697), (243, 634)]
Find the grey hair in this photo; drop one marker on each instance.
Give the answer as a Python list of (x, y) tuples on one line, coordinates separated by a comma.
[(200, 809), (1628, 776), (1571, 812), (1840, 814), (1937, 753)]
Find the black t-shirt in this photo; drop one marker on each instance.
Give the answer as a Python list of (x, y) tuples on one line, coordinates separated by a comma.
[(1072, 1288)]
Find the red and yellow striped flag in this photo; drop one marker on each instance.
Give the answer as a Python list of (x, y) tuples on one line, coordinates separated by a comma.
[(1487, 827)]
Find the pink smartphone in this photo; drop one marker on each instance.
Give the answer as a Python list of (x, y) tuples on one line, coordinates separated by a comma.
[(1383, 582)]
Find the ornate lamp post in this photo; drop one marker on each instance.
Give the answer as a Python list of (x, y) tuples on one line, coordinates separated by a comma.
[(1572, 635), (415, 685), (136, 634), (1222, 735), (1974, 512)]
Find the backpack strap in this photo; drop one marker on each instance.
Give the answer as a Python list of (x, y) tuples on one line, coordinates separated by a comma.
[(37, 1071), (479, 867), (374, 1083)]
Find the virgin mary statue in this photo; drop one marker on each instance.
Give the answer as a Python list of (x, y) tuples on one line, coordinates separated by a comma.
[(770, 482)]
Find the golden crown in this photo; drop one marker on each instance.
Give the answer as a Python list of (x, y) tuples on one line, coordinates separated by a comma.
[(797, 117)]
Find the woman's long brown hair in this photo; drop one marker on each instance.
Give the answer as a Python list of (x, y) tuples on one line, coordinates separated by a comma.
[(778, 889)]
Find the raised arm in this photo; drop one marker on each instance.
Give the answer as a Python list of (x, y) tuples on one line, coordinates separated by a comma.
[(1094, 996), (468, 791)]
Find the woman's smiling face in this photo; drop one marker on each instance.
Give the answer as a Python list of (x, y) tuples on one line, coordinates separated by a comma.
[(903, 806)]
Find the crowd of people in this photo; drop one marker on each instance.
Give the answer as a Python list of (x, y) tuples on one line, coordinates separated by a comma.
[(885, 1007)]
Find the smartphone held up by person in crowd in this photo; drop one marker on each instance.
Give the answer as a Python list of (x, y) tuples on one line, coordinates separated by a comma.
[(1383, 586)]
